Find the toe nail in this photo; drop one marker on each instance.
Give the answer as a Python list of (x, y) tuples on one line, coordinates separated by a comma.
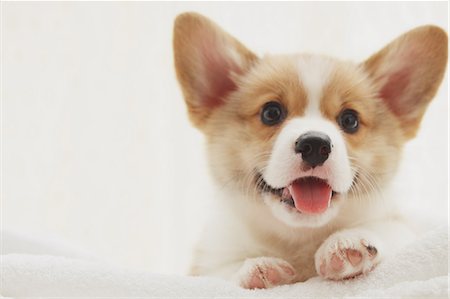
[(364, 243), (372, 250)]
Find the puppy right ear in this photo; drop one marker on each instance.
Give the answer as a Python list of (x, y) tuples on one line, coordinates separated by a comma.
[(407, 73), (207, 59)]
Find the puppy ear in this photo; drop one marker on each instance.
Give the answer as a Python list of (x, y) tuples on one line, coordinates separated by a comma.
[(407, 73), (206, 61)]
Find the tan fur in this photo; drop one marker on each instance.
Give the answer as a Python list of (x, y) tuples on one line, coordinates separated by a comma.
[(190, 30), (238, 142), (425, 51), (351, 88)]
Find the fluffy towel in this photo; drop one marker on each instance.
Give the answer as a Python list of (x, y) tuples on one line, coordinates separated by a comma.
[(420, 270)]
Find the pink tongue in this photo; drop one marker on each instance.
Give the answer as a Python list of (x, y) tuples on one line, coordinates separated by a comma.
[(311, 196)]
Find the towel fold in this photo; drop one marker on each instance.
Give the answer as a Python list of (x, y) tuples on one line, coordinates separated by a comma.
[(420, 270)]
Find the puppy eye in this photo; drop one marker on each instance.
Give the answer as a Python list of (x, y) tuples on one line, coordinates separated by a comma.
[(349, 121), (272, 113)]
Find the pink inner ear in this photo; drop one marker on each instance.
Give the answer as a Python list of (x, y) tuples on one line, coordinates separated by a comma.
[(394, 91), (218, 67)]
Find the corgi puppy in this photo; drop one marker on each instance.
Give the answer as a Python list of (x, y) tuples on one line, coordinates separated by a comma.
[(302, 148)]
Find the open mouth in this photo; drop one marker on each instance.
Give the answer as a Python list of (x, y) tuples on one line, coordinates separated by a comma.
[(309, 195)]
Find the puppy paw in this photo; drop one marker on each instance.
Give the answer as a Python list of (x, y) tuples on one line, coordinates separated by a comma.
[(345, 255), (265, 272)]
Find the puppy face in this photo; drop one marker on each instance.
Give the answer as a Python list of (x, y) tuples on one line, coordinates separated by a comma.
[(302, 134)]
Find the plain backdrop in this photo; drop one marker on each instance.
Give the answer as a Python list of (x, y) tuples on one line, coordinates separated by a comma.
[(97, 148)]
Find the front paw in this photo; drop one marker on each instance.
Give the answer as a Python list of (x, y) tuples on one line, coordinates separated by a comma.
[(345, 255), (264, 272)]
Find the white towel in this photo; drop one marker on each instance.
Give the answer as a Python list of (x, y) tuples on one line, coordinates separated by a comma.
[(420, 270)]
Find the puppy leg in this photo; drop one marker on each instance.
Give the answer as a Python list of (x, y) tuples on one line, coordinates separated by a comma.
[(264, 272), (253, 273), (351, 252)]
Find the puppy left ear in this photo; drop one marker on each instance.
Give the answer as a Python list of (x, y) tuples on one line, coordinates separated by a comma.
[(407, 73)]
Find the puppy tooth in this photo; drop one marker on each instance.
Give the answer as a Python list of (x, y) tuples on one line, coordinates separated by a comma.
[(286, 193)]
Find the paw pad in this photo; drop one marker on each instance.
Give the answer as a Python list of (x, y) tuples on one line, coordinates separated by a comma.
[(343, 258), (265, 272)]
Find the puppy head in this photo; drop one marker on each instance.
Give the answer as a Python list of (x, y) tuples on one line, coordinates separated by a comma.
[(302, 134)]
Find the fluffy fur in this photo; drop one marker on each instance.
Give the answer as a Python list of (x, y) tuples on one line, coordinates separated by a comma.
[(257, 240)]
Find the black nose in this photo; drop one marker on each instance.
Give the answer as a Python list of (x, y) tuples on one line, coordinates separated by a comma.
[(315, 148)]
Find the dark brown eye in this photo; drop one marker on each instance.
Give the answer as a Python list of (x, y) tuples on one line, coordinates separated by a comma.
[(272, 113), (349, 121)]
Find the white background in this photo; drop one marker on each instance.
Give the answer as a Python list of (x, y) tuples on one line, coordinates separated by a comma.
[(97, 147)]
